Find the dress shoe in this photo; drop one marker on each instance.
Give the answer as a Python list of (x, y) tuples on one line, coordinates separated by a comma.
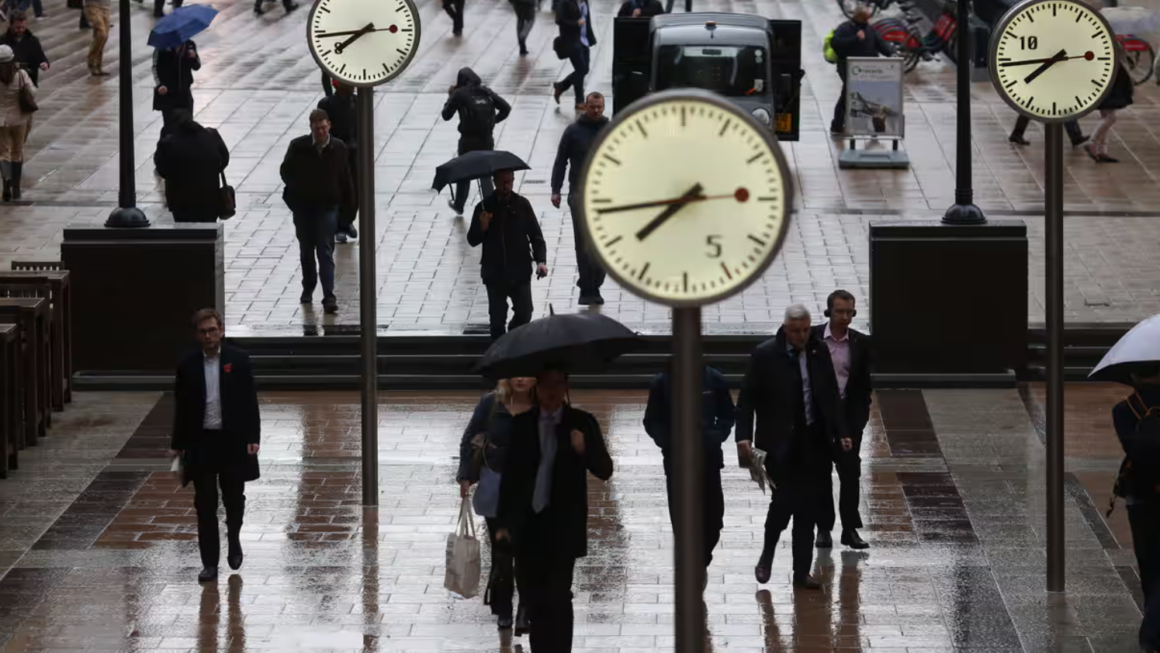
[(825, 540), (597, 299), (761, 573), (806, 582), (1018, 139), (330, 305), (207, 575), (523, 624), (557, 91), (306, 298), (504, 623), (451, 205), (258, 10), (1076, 142), (352, 231), (1104, 158), (235, 561), (852, 539), (584, 300), (292, 7)]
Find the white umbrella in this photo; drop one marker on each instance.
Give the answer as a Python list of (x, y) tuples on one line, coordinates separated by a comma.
[(1140, 345)]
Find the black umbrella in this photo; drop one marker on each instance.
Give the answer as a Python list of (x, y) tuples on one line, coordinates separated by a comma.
[(576, 343), (476, 165)]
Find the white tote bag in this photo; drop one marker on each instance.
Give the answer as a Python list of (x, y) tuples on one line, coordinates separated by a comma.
[(463, 562)]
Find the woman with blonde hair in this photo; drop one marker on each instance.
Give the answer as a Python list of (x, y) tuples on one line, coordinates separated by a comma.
[(482, 454), (17, 102)]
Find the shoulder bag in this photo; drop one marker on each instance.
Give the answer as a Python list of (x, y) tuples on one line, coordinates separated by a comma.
[(227, 198), (27, 99)]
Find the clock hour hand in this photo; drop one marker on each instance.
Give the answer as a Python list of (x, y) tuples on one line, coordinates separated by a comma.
[(669, 212), (1059, 56), (370, 27)]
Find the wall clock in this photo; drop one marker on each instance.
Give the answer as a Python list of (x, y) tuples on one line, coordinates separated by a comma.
[(363, 42)]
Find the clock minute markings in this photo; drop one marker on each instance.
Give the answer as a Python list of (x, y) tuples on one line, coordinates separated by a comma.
[(643, 270), (685, 280), (726, 269)]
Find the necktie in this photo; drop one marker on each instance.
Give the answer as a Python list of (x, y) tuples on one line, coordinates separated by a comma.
[(547, 458)]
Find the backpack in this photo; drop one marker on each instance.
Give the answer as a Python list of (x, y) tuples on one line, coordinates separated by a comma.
[(1144, 445), (477, 116), (828, 50)]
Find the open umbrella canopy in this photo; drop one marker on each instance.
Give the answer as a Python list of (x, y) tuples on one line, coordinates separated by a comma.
[(181, 25), (476, 165), (1136, 349), (576, 343)]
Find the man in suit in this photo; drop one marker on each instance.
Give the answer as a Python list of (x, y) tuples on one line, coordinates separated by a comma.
[(791, 391), (850, 354), (543, 505), (216, 431)]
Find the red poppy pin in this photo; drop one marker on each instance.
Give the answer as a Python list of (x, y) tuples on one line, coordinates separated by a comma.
[(227, 367)]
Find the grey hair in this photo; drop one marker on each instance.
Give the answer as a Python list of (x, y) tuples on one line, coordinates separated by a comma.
[(797, 312)]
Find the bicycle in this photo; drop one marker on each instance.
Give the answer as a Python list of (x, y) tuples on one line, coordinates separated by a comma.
[(1140, 58), (848, 6), (912, 46)]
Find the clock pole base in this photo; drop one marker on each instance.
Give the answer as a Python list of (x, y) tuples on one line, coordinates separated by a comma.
[(967, 214), (129, 217), (948, 299)]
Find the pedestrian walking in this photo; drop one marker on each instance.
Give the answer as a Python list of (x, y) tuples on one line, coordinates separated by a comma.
[(1118, 98), (479, 109), (1074, 133), (854, 38), (525, 20), (788, 408), (288, 5), (543, 504), (14, 85), (454, 9), (159, 7), (1137, 424), (850, 355), (13, 7), (482, 453), (343, 113), (173, 80), (573, 150), (640, 9), (505, 224), (25, 46), (191, 160), (717, 417), (316, 172), (574, 19), (216, 432), (96, 14)]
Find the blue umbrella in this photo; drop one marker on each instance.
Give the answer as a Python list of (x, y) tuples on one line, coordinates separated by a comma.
[(181, 25)]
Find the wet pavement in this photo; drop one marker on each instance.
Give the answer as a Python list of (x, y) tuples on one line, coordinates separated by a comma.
[(258, 84), (100, 553)]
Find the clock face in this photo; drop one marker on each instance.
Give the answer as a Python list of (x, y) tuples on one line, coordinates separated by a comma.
[(685, 198), (363, 42), (1053, 60)]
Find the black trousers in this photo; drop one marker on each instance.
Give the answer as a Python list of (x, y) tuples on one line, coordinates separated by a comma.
[(218, 468), (839, 121), (580, 56), (525, 20), (713, 500), (591, 275), (1144, 519), (463, 188), (849, 465), (1071, 126), (546, 582), (498, 293), (501, 586), (454, 9), (800, 486)]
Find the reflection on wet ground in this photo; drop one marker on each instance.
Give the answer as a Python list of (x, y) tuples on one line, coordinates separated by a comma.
[(98, 543)]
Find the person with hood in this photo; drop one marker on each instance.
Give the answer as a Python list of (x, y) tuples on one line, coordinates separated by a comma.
[(525, 19), (575, 22), (1120, 97), (191, 159), (26, 46), (854, 38), (173, 80), (505, 224), (1137, 424), (343, 113), (479, 109), (640, 9), (574, 146)]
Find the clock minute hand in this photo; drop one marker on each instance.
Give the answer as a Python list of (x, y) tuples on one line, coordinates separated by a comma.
[(1059, 56), (679, 200), (370, 27), (1027, 62), (326, 35), (669, 212)]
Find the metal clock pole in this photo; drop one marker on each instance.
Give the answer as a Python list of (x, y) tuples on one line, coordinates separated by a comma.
[(368, 286), (1053, 200), (688, 513)]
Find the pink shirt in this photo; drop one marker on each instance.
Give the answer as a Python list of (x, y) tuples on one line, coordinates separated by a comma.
[(840, 355)]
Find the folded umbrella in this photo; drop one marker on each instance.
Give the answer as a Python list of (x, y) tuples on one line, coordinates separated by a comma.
[(576, 343), (476, 165), (1138, 348), (181, 25)]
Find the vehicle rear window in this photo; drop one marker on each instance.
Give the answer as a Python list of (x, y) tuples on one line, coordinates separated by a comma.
[(728, 70)]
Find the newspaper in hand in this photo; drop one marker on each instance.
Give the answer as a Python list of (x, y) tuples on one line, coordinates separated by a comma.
[(757, 470)]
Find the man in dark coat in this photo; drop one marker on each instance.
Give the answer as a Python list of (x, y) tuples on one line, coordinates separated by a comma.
[(791, 391), (340, 107), (173, 80), (640, 9), (505, 224), (854, 38), (850, 354), (191, 160), (717, 417), (29, 53), (573, 150), (479, 109), (575, 22), (216, 431), (316, 172), (543, 505)]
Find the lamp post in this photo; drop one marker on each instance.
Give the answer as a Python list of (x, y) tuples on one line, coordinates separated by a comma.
[(126, 215), (964, 210)]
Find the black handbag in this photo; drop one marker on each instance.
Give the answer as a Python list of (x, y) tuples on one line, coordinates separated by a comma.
[(27, 100), (560, 47), (228, 200)]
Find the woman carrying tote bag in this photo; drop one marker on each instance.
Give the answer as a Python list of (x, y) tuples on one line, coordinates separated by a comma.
[(17, 103)]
